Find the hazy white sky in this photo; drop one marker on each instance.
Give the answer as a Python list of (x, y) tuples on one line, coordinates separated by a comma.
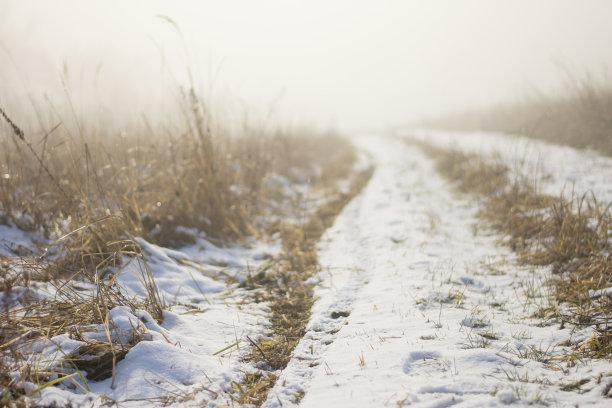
[(348, 63)]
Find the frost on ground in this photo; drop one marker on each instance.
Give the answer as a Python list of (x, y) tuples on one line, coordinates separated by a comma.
[(416, 307)]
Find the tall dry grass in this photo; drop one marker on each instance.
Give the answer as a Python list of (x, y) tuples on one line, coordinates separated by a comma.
[(88, 195), (93, 192)]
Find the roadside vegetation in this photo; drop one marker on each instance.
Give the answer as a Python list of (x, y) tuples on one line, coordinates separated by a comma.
[(569, 234), (85, 198), (581, 117)]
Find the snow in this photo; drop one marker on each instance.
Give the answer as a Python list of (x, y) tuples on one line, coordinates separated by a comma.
[(184, 357), (414, 305), (421, 290), (600, 293), (14, 242)]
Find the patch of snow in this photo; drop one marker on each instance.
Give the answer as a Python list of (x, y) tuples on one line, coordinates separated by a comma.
[(196, 353), (14, 242), (599, 293)]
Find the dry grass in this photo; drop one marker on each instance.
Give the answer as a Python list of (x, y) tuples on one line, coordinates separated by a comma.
[(147, 188), (87, 196), (27, 323), (569, 233), (581, 118)]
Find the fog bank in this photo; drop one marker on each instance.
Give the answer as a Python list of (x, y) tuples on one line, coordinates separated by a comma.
[(348, 64)]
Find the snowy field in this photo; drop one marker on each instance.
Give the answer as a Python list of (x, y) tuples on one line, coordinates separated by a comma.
[(415, 306), (437, 315)]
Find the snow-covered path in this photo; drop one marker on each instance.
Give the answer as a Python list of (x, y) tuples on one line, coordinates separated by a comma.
[(416, 308), (415, 305)]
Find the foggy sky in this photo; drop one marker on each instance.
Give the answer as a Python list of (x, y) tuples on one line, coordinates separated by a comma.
[(349, 64)]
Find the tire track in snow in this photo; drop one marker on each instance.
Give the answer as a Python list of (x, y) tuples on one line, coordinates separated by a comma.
[(346, 269), (336, 291)]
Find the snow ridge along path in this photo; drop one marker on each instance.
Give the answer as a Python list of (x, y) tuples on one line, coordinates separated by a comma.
[(415, 307)]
